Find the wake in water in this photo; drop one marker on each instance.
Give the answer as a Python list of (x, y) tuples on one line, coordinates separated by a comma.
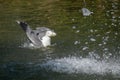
[(83, 65)]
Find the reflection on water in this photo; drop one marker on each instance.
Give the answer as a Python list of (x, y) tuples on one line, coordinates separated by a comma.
[(86, 47)]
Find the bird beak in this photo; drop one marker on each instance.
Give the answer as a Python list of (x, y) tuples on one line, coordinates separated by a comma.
[(54, 34), (18, 21)]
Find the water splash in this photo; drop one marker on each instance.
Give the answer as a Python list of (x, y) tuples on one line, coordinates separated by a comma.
[(86, 12), (28, 45), (83, 65)]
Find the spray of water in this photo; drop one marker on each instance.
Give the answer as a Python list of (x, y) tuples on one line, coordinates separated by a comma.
[(83, 65)]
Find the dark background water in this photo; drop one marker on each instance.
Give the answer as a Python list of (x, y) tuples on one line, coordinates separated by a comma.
[(82, 42)]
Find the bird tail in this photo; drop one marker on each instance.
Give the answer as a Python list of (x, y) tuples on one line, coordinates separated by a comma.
[(24, 25)]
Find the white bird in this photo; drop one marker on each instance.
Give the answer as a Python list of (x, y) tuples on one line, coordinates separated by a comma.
[(41, 37)]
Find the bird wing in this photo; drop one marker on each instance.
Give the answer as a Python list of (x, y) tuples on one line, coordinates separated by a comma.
[(34, 38)]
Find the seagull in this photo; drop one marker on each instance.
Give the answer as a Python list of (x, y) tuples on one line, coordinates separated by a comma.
[(40, 37)]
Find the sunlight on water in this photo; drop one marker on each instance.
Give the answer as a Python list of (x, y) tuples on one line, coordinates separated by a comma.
[(83, 65)]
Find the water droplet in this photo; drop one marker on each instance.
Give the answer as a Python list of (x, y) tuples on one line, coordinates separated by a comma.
[(91, 30), (84, 48), (73, 19), (86, 12), (92, 39), (105, 49), (76, 42), (86, 42), (74, 27), (77, 31)]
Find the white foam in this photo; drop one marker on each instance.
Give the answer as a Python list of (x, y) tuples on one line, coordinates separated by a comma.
[(82, 65), (29, 45)]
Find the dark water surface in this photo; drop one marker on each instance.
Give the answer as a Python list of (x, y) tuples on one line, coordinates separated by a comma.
[(85, 48)]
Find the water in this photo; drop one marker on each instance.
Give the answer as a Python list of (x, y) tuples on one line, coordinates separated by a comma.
[(85, 48)]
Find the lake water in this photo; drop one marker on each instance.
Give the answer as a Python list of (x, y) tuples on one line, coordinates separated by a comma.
[(85, 48)]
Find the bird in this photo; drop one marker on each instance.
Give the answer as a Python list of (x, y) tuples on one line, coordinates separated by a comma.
[(40, 37)]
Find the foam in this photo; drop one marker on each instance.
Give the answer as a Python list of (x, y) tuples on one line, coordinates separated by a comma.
[(29, 45), (83, 65)]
